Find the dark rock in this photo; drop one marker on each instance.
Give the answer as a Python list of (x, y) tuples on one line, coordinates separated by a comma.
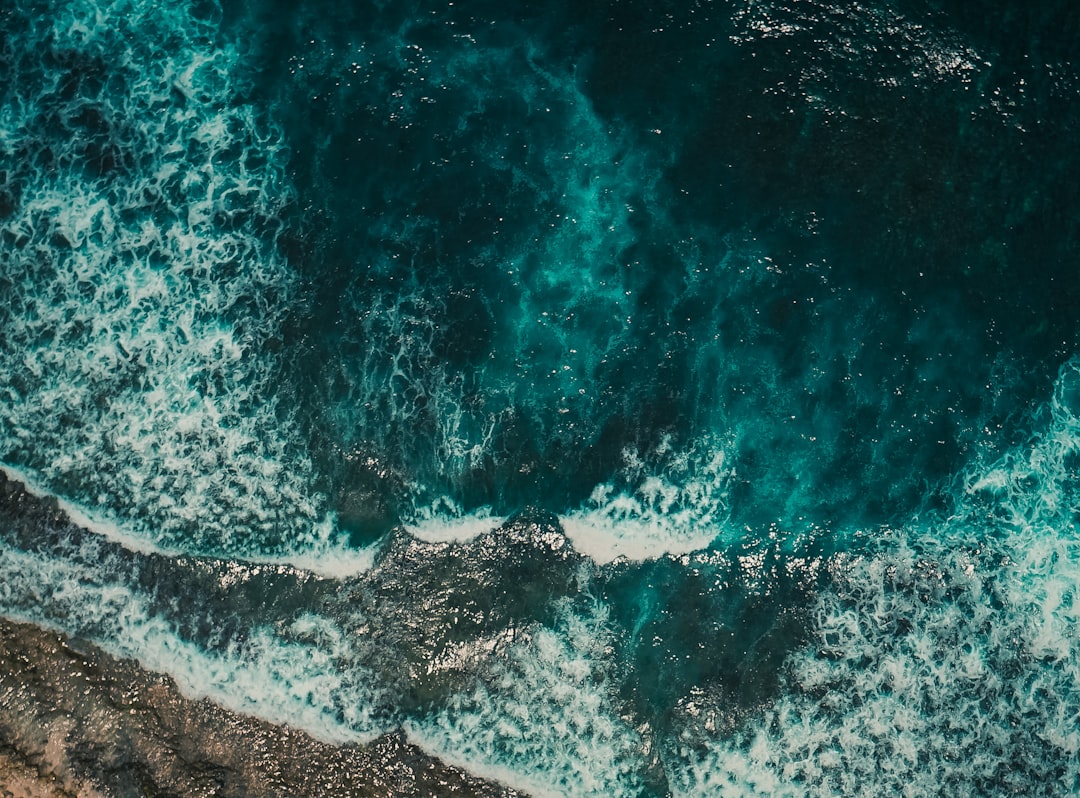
[(75, 721), (446, 608)]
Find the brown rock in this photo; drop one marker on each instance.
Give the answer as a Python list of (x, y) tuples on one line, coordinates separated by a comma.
[(76, 722)]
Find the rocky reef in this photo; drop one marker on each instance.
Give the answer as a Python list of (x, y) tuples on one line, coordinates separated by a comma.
[(76, 722)]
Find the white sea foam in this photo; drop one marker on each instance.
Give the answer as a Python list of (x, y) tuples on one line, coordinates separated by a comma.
[(324, 556), (604, 539), (668, 502), (663, 502), (302, 672), (136, 384), (141, 303), (944, 660), (445, 522), (542, 719), (329, 562), (106, 528)]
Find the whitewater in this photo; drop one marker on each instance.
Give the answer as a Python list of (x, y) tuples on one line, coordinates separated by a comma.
[(611, 400)]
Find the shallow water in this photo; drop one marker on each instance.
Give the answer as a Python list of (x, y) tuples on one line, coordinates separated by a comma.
[(619, 399)]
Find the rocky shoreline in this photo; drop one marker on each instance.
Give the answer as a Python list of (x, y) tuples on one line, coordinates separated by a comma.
[(75, 721)]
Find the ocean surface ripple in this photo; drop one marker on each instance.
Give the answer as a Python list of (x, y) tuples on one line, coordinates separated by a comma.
[(618, 399)]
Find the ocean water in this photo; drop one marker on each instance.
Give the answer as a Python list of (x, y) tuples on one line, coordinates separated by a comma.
[(621, 399)]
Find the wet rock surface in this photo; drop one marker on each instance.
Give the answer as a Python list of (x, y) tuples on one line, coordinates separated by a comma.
[(75, 721), (423, 620), (445, 609)]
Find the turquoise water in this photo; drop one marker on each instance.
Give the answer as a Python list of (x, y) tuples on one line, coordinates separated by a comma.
[(620, 399)]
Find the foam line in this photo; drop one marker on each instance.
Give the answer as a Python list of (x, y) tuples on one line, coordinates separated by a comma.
[(286, 674), (329, 561), (107, 529)]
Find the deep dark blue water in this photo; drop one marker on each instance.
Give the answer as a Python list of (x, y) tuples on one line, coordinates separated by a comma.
[(620, 398)]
